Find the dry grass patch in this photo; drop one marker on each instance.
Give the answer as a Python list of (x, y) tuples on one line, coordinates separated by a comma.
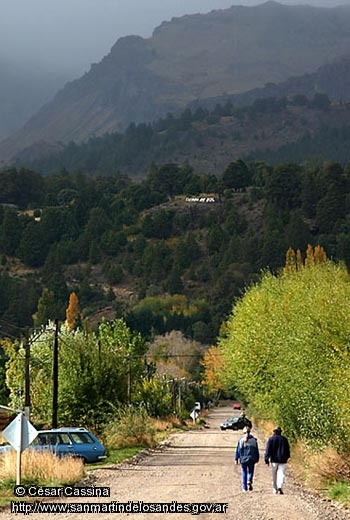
[(318, 470), (163, 427), (41, 468), (120, 440), (167, 423)]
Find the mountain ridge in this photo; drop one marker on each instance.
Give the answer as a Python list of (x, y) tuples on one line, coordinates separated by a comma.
[(192, 57), (320, 81)]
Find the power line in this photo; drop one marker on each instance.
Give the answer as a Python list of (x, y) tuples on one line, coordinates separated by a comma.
[(12, 325)]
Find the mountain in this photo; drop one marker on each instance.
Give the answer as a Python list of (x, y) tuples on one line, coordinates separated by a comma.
[(305, 117), (332, 79), (191, 57), (272, 129)]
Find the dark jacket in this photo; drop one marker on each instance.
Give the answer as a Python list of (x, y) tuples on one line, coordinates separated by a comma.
[(247, 451), (277, 449)]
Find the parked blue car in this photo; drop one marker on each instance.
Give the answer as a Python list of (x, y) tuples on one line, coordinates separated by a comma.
[(77, 442)]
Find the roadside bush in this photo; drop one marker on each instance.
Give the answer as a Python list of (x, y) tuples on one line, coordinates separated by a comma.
[(155, 396), (130, 427)]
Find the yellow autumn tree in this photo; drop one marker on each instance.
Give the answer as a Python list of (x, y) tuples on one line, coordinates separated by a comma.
[(320, 255), (299, 260), (212, 363), (72, 311), (309, 259), (290, 261), (294, 261)]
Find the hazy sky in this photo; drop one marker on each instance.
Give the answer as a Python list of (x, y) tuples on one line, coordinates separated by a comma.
[(72, 34), (80, 32)]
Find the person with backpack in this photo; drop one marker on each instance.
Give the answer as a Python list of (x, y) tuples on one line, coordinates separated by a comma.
[(277, 453), (247, 454)]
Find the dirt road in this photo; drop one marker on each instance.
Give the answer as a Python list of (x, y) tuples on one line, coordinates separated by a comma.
[(195, 467)]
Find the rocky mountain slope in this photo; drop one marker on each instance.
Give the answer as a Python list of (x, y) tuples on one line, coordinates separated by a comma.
[(272, 129), (191, 57), (332, 78)]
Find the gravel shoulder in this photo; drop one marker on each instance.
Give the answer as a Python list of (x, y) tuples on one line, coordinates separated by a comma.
[(193, 467)]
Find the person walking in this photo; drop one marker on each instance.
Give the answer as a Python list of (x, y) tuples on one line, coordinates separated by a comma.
[(247, 454), (277, 453)]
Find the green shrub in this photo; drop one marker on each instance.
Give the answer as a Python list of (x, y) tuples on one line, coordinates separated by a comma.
[(131, 427)]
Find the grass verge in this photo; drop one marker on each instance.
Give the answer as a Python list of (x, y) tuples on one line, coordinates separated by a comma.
[(325, 471), (115, 456), (340, 492)]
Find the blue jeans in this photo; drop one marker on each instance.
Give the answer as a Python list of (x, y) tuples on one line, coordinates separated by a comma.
[(247, 474)]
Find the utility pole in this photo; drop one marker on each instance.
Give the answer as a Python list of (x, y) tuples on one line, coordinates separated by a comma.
[(180, 382), (129, 380), (27, 380), (55, 377)]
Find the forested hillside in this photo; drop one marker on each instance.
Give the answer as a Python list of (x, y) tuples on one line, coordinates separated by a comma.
[(170, 252), (274, 129)]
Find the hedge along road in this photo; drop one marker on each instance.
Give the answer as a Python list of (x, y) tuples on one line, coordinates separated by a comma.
[(195, 467)]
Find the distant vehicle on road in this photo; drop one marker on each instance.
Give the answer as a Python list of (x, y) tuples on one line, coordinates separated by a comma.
[(235, 423), (236, 405)]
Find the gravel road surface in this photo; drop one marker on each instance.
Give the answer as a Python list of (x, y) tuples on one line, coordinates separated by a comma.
[(193, 467)]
